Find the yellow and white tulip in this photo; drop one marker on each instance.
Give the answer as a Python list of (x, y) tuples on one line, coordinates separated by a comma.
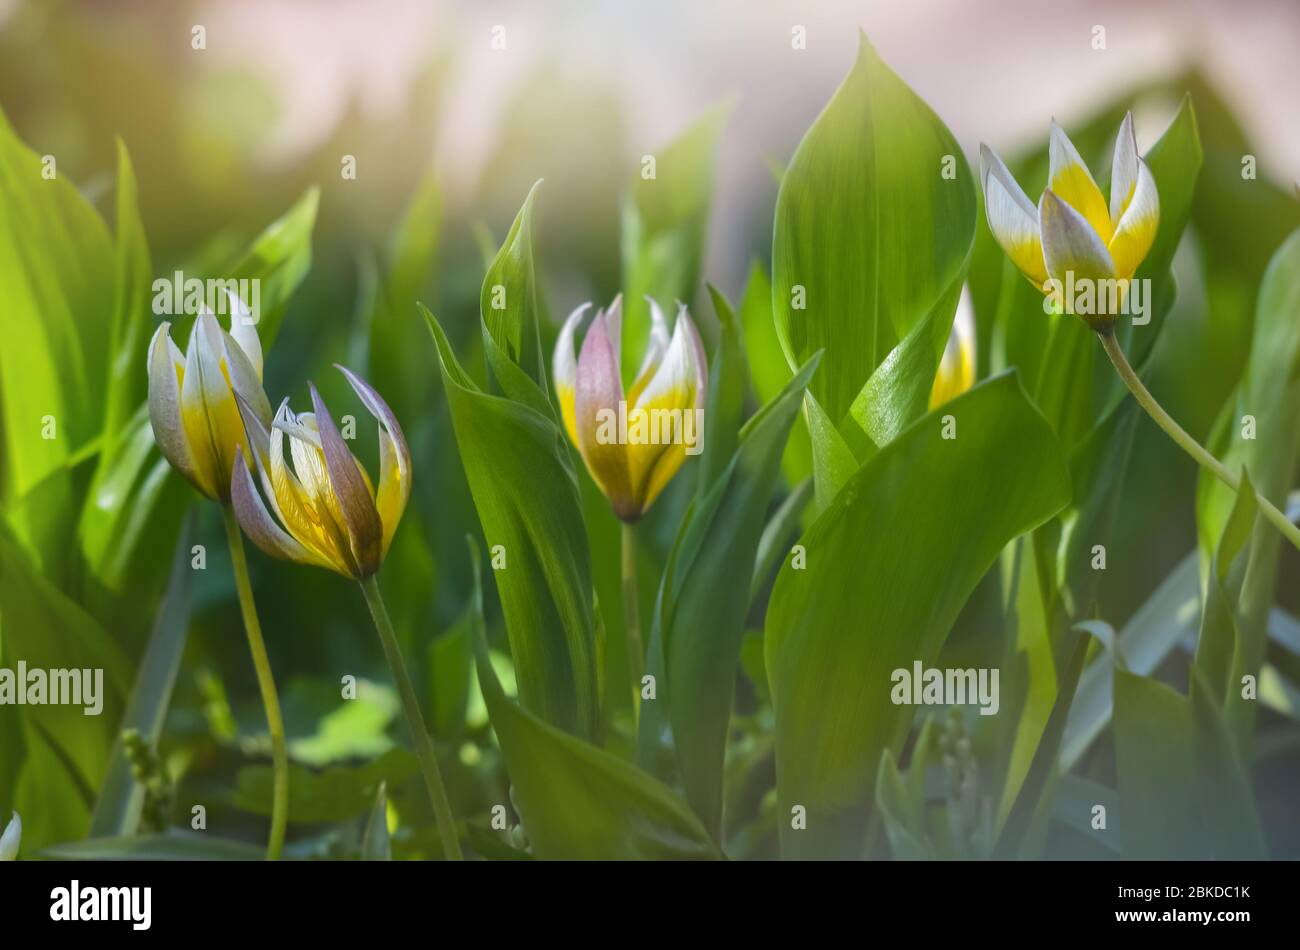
[(956, 372), (673, 378), (1074, 234), (196, 421), (324, 509)]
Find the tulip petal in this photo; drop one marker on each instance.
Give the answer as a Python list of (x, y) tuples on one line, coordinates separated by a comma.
[(243, 330), (364, 529), (597, 396), (1068, 177), (1070, 245), (394, 457), (654, 351), (203, 442), (564, 367), (257, 522), (1136, 230), (956, 372), (294, 505), (1012, 217), (166, 372), (1123, 170), (666, 402)]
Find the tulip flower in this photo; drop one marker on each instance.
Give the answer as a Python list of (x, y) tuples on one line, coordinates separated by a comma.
[(956, 372), (11, 838), (196, 421), (195, 401), (620, 434), (1074, 235), (632, 441), (325, 511)]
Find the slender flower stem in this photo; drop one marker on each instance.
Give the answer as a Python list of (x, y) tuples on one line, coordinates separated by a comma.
[(265, 683), (631, 613), (1185, 441), (414, 721)]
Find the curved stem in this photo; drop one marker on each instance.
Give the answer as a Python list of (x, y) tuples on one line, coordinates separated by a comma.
[(1185, 441), (632, 614), (414, 721), (265, 683)]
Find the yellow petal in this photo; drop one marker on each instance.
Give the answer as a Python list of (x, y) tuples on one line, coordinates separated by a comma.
[(1123, 170), (956, 372), (658, 422), (1136, 230), (1070, 179), (564, 369), (1070, 245)]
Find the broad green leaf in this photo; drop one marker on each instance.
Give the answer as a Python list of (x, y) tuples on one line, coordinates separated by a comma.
[(725, 403), (577, 801), (663, 228), (777, 533), (870, 232), (172, 846), (527, 500), (705, 595), (889, 565), (121, 798), (67, 751), (56, 268)]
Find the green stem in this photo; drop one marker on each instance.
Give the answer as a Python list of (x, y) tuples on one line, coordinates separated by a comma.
[(632, 614), (414, 721), (1185, 441), (265, 683)]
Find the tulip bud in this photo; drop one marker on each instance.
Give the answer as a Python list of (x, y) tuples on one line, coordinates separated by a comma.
[(956, 372), (632, 443), (324, 510), (11, 838), (192, 397)]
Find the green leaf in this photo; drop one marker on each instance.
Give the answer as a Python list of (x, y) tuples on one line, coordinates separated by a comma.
[(663, 229), (1269, 393), (725, 404), (509, 305), (375, 843), (527, 500), (577, 801), (133, 268), (121, 798), (889, 565), (279, 258), (703, 600), (870, 228)]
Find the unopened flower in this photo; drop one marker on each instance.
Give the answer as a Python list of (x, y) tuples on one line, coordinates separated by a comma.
[(11, 838), (324, 509), (956, 372), (1074, 236), (196, 421), (632, 442)]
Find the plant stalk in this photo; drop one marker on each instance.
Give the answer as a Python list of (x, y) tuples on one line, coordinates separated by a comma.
[(265, 683), (632, 614), (414, 720), (1188, 444)]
